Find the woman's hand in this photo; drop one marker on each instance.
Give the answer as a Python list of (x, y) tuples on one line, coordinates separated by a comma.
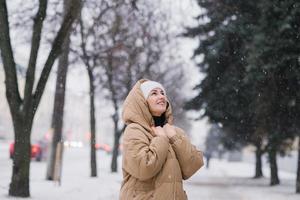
[(159, 131), (169, 130)]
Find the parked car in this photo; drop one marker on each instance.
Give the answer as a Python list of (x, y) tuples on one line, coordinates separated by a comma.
[(37, 151), (104, 147), (107, 148)]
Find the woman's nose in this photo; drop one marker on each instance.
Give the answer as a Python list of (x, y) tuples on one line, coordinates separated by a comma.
[(161, 96)]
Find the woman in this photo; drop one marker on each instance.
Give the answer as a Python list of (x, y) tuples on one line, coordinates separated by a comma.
[(157, 156)]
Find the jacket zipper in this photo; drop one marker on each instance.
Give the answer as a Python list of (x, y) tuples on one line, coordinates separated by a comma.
[(174, 183)]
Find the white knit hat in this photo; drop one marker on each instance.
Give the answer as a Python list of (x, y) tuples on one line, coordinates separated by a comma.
[(147, 86)]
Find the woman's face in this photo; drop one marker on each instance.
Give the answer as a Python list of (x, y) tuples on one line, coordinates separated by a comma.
[(157, 102)]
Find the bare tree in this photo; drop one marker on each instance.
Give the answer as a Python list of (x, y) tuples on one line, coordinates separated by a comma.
[(137, 52), (23, 109), (122, 45), (88, 49), (59, 102), (121, 62), (90, 66)]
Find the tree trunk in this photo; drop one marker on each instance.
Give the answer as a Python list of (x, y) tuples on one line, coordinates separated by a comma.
[(114, 161), (117, 134), (273, 166), (298, 169), (58, 110), (23, 110), (19, 185), (258, 162), (93, 125)]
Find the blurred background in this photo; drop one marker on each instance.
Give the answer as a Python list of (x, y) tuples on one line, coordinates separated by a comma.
[(230, 68)]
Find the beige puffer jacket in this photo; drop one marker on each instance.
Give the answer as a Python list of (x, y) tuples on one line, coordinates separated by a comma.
[(153, 167)]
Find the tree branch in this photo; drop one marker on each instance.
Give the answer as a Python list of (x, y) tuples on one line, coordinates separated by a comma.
[(35, 44), (85, 57), (69, 18), (11, 81), (133, 4)]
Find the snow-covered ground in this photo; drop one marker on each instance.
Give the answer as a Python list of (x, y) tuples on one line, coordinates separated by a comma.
[(223, 180)]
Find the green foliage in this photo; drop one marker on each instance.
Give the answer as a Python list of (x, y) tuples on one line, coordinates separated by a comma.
[(251, 62), (224, 94), (273, 66)]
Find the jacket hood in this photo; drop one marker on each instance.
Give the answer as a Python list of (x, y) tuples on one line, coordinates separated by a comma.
[(136, 109)]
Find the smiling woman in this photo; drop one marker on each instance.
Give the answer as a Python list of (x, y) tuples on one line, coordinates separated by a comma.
[(155, 96), (157, 156)]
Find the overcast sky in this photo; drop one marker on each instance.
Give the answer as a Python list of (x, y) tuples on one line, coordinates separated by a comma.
[(181, 12)]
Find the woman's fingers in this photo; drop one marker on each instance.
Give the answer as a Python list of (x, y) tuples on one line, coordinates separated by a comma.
[(158, 131), (170, 130)]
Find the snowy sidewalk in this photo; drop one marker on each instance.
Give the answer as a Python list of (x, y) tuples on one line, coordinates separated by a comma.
[(223, 181), (232, 181)]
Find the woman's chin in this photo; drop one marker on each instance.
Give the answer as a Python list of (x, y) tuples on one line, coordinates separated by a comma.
[(160, 112)]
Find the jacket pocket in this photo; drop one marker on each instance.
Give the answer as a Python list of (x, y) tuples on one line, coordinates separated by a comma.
[(143, 190)]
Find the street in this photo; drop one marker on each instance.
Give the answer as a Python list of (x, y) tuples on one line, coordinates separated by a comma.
[(223, 181)]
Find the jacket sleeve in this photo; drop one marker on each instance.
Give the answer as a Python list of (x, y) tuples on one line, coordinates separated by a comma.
[(189, 158), (142, 158)]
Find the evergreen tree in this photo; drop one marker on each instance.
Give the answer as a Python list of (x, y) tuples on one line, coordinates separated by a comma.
[(250, 58), (274, 70), (225, 95)]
